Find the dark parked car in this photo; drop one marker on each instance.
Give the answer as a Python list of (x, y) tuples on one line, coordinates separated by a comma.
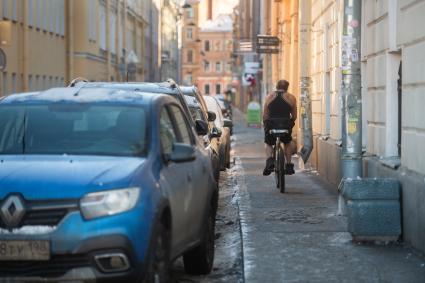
[(211, 140), (168, 87), (102, 184), (223, 125)]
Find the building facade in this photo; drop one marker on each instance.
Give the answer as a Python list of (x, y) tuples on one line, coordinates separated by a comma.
[(169, 40), (48, 43), (34, 44), (214, 75), (191, 43), (393, 79)]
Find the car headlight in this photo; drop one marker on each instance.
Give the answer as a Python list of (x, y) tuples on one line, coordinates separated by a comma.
[(108, 202)]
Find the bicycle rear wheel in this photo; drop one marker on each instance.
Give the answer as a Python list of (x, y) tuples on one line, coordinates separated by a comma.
[(277, 164), (282, 169)]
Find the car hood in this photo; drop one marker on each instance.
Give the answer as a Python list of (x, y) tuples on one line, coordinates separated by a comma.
[(50, 177)]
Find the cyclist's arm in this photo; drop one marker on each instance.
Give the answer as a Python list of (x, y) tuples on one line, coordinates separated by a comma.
[(294, 111), (266, 108)]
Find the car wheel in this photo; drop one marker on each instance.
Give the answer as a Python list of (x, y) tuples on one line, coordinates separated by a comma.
[(222, 159), (228, 158), (200, 260), (158, 259)]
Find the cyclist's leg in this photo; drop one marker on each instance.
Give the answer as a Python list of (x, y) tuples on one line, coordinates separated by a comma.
[(289, 150), (269, 150), (269, 142)]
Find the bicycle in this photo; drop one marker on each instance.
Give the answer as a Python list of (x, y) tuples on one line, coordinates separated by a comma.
[(279, 158)]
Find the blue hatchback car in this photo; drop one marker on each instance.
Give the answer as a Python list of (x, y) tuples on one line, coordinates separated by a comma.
[(102, 185)]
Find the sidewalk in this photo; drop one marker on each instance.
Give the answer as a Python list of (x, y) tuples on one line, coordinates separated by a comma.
[(297, 236)]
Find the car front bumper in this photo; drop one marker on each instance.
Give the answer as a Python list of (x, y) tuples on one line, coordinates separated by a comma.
[(76, 246)]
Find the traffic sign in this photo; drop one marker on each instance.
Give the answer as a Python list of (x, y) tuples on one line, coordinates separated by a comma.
[(267, 40)]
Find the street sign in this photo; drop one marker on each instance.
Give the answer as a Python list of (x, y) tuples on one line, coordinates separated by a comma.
[(268, 44), (267, 40), (269, 50), (2, 60)]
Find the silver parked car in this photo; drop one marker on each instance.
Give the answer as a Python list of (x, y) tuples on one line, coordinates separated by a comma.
[(223, 126)]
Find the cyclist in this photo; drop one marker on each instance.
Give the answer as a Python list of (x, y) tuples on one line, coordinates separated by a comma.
[(282, 105)]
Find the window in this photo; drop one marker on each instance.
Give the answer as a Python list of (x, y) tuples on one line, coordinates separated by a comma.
[(184, 134), (218, 88), (30, 82), (188, 79), (92, 25), (190, 12), (30, 15), (44, 86), (190, 56), (4, 90), (5, 9), (39, 6), (206, 66), (102, 25), (45, 14), (112, 31), (207, 45), (37, 83), (14, 10), (189, 33), (218, 45), (207, 89), (14, 83), (167, 132), (218, 67), (228, 67)]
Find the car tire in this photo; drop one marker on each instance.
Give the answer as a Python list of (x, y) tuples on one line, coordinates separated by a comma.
[(159, 257), (199, 260), (222, 159), (228, 158)]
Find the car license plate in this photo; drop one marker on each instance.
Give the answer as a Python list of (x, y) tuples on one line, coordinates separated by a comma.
[(24, 250)]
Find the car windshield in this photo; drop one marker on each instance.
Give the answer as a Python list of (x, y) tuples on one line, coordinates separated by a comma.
[(73, 129)]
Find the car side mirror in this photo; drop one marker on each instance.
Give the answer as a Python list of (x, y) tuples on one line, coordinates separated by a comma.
[(182, 153), (201, 127), (215, 133), (227, 123), (211, 116)]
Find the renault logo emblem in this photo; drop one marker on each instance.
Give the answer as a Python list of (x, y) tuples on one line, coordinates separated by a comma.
[(12, 210)]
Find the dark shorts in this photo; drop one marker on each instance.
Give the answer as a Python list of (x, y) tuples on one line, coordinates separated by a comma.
[(270, 139)]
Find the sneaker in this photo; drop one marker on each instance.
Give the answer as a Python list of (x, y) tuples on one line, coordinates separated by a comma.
[(269, 166), (289, 169)]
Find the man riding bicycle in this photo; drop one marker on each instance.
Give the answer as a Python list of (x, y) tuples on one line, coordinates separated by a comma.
[(279, 105)]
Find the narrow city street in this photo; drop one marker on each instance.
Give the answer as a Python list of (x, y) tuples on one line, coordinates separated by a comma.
[(292, 237)]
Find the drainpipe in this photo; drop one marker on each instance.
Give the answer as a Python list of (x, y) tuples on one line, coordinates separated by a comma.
[(351, 99), (305, 80), (351, 112)]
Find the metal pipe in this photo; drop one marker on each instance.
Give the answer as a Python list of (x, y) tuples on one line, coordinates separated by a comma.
[(306, 128), (351, 112)]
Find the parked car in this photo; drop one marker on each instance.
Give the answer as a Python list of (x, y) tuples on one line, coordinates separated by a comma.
[(168, 87), (102, 184), (225, 105), (211, 141), (223, 125)]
